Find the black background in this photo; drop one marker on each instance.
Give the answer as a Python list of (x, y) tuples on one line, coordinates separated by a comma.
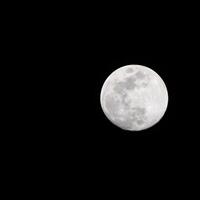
[(90, 140), (82, 66), (61, 60), (94, 51), (71, 57)]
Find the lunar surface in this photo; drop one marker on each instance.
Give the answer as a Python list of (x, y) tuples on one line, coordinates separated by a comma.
[(134, 97)]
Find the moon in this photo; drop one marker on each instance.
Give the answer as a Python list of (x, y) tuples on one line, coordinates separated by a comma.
[(134, 97)]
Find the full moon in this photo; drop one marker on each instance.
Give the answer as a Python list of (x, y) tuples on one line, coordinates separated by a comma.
[(134, 97)]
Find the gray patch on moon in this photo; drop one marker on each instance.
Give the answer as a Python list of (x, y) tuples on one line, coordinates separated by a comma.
[(144, 84), (125, 123), (140, 75), (129, 70), (134, 120), (138, 115), (119, 87), (130, 83), (111, 104), (140, 122), (125, 101), (127, 84)]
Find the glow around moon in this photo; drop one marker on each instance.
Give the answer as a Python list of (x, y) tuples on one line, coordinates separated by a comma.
[(134, 97)]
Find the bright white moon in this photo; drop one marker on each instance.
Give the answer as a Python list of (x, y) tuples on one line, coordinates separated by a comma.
[(134, 97)]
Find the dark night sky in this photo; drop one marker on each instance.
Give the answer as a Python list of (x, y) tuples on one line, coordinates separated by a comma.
[(79, 65), (58, 63)]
